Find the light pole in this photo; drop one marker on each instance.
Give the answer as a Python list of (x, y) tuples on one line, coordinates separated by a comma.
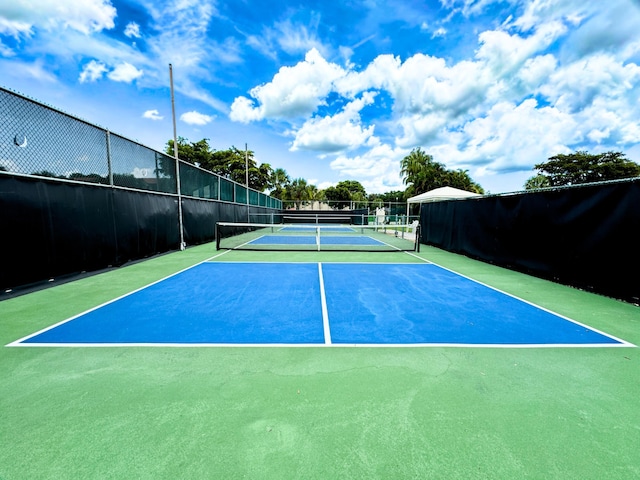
[(175, 154), (246, 178)]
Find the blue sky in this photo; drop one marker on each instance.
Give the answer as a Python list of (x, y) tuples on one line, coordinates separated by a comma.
[(335, 91)]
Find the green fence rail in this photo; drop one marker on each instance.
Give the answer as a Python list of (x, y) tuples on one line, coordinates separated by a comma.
[(39, 140)]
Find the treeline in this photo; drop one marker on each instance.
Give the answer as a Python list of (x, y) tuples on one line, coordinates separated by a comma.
[(582, 167), (419, 171)]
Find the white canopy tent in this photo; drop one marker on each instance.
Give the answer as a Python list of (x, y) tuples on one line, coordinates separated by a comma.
[(440, 194)]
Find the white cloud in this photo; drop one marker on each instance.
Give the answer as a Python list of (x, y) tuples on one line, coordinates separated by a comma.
[(20, 18), (132, 30), (377, 168), (422, 85), (471, 7), (14, 28), (180, 34), (420, 129), (125, 72), (182, 38), (92, 71), (509, 137), (196, 118), (576, 85), (5, 50), (294, 91), (336, 133), (297, 38), (243, 110), (152, 115), (504, 53), (517, 102), (537, 12), (536, 71), (440, 32), (288, 36), (33, 70)]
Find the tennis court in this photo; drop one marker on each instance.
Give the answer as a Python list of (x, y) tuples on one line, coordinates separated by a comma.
[(384, 364), (319, 237), (319, 304)]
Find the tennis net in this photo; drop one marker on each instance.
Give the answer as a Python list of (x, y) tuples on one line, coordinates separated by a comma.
[(317, 237)]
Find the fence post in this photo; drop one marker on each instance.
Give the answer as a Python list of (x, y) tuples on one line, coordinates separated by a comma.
[(109, 166)]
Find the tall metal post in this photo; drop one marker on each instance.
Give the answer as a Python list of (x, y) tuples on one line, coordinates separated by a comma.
[(109, 164), (175, 154), (246, 178)]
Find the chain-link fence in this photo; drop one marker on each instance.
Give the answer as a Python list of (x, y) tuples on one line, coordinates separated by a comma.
[(391, 208), (38, 140)]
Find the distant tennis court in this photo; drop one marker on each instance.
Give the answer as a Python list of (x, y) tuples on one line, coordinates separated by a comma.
[(319, 304), (320, 237)]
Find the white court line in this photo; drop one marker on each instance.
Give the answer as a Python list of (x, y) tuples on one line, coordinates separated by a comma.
[(328, 345), (17, 343), (326, 326), (495, 289), (325, 312)]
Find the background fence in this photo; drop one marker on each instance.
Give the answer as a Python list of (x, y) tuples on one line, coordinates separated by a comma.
[(38, 140), (585, 236), (77, 198)]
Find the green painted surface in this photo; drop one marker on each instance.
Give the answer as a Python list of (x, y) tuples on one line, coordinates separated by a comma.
[(319, 413)]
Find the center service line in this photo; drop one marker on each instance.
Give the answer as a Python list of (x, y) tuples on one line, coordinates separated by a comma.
[(325, 314)]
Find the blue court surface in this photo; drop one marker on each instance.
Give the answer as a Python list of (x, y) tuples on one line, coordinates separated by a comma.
[(309, 228), (217, 303), (311, 240)]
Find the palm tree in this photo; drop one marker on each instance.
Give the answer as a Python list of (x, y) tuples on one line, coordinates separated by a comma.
[(281, 181), (314, 194), (421, 173), (538, 181), (280, 178), (298, 192)]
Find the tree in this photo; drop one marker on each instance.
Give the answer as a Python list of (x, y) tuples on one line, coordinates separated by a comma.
[(261, 178), (44, 173), (198, 153), (231, 163), (461, 180), (281, 181), (393, 201), (298, 192), (582, 167), (315, 195), (422, 173), (392, 196), (345, 194), (539, 181), (338, 196), (354, 188)]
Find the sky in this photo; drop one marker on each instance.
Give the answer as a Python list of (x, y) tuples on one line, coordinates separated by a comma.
[(332, 91)]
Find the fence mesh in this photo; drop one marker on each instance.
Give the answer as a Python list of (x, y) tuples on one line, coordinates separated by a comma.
[(38, 140)]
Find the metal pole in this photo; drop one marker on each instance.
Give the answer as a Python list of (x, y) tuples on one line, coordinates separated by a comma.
[(109, 164), (246, 178), (175, 154)]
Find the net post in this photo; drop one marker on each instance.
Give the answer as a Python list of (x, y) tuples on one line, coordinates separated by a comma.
[(217, 235), (417, 246)]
